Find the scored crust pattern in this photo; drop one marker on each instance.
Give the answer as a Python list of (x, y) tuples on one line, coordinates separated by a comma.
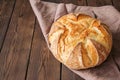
[(79, 41)]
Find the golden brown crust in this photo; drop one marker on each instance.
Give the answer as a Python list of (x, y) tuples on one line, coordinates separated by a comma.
[(80, 41)]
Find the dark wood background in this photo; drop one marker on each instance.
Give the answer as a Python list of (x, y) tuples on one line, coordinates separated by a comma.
[(23, 51)]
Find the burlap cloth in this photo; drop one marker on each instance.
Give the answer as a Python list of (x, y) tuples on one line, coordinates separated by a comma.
[(47, 13)]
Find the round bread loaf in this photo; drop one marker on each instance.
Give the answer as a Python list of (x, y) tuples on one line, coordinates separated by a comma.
[(80, 41)]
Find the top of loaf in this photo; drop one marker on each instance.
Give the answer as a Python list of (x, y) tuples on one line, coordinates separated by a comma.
[(80, 41)]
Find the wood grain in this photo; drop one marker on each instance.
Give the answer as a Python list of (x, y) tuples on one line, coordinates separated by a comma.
[(116, 3), (77, 2), (99, 2), (16, 48), (55, 1), (42, 66), (6, 9)]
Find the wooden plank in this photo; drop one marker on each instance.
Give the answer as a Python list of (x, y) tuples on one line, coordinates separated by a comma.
[(43, 66), (116, 3), (99, 2), (16, 48), (77, 2), (6, 9), (55, 1)]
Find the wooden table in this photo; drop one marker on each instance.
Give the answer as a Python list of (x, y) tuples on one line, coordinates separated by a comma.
[(23, 51)]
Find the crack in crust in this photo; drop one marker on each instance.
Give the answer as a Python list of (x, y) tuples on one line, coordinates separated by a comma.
[(80, 41)]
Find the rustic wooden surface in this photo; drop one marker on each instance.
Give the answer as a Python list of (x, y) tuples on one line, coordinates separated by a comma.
[(23, 51)]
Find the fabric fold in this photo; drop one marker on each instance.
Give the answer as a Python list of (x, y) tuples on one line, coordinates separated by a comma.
[(59, 13)]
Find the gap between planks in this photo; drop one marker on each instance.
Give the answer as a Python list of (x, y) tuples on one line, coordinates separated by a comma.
[(30, 51), (2, 42)]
